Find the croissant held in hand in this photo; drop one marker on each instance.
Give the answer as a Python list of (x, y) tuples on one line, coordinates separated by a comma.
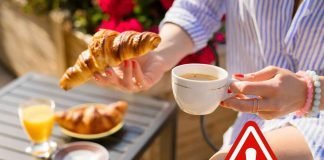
[(108, 49)]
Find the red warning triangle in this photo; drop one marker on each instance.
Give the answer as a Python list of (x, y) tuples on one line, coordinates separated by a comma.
[(250, 145)]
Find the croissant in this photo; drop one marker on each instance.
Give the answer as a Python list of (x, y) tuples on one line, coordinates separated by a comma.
[(92, 119), (108, 49)]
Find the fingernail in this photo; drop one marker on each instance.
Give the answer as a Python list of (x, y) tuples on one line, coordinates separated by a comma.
[(239, 75), (108, 71), (229, 91), (125, 64), (222, 103), (134, 64), (237, 96), (95, 76)]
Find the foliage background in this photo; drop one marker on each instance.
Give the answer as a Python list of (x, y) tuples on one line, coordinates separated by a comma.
[(88, 16)]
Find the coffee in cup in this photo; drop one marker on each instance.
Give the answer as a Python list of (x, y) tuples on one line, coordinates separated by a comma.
[(199, 77), (199, 88)]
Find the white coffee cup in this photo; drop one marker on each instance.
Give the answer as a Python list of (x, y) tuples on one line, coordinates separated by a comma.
[(200, 97)]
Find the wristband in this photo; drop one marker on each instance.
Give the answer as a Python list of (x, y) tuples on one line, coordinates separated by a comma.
[(317, 94), (309, 99)]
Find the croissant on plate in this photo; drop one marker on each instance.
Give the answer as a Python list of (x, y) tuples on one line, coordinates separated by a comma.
[(108, 49), (92, 119)]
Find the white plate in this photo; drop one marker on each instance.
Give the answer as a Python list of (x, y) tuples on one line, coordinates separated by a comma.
[(80, 151)]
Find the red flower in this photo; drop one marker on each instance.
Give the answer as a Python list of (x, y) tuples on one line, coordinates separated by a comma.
[(117, 8), (154, 29), (120, 26), (220, 37), (166, 3), (224, 18), (205, 56)]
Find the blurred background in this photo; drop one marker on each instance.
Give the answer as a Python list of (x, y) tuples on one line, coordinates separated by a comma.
[(46, 36)]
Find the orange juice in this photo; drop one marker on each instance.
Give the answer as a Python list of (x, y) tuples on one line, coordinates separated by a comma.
[(38, 121)]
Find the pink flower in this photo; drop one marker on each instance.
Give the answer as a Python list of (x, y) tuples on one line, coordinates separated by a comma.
[(116, 8), (166, 3), (120, 26)]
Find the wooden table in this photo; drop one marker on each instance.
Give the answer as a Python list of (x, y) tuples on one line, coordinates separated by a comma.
[(145, 119)]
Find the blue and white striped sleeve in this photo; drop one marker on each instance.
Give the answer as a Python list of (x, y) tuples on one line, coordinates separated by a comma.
[(199, 18)]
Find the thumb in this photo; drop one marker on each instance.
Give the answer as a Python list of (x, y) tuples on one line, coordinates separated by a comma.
[(262, 75)]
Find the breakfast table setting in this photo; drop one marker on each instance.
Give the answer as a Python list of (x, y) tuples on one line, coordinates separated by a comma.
[(142, 120), (46, 117)]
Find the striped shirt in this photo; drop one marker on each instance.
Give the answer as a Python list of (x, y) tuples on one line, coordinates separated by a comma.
[(262, 33)]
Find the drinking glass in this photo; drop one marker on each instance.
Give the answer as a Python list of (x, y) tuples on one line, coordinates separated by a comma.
[(37, 119)]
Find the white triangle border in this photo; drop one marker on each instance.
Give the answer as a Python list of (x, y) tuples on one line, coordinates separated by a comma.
[(249, 130)]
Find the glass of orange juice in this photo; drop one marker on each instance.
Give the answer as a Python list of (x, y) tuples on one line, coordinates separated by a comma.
[(37, 119)]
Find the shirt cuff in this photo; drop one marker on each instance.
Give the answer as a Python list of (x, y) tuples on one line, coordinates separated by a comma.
[(190, 24)]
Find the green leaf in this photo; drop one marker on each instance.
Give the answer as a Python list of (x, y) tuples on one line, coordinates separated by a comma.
[(137, 9)]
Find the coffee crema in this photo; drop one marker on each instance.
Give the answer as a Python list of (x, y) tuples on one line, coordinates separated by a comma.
[(199, 77)]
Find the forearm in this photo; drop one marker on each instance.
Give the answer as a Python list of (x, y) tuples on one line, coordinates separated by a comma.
[(175, 45), (187, 27), (322, 93)]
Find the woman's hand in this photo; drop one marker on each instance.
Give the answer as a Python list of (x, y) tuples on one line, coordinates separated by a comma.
[(133, 75), (142, 73), (279, 92)]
